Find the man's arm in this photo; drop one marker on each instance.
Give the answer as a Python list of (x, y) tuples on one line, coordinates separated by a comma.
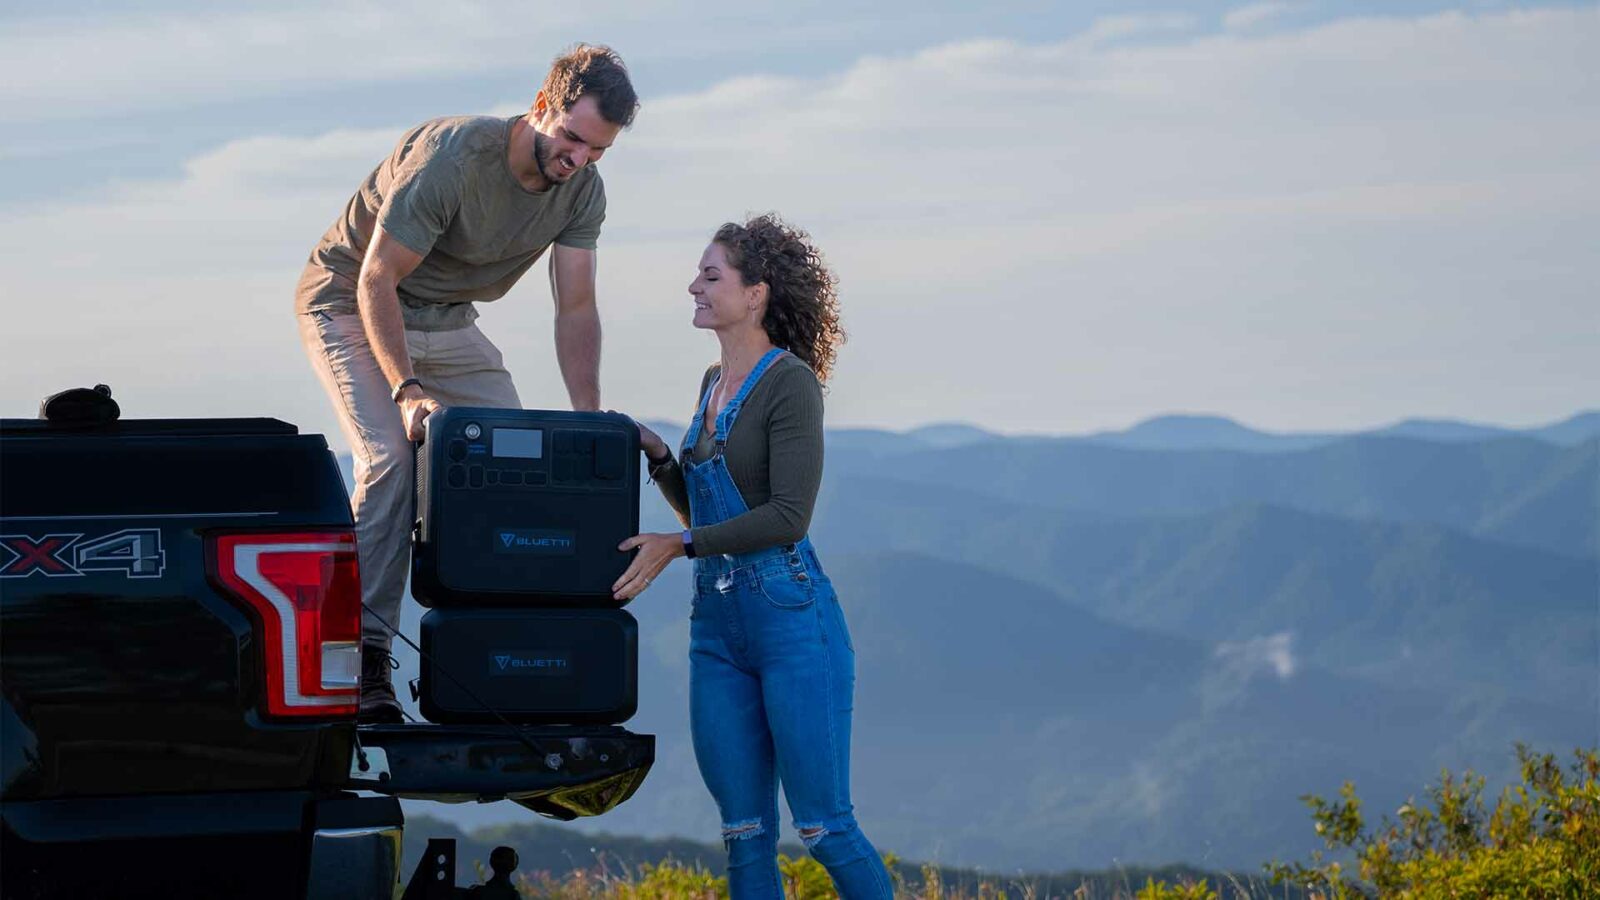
[(572, 274), (387, 261)]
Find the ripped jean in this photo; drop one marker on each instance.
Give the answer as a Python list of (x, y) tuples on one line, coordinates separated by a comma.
[(772, 674)]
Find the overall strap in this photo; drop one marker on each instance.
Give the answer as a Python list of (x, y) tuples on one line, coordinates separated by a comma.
[(697, 423), (730, 412)]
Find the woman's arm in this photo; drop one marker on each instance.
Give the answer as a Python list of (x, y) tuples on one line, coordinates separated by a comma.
[(794, 466), (668, 476), (669, 480)]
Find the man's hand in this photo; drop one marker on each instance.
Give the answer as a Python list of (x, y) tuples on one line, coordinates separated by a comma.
[(415, 408), (655, 551)]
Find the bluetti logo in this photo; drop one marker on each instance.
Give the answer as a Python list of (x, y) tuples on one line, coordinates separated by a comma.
[(529, 662), (536, 541)]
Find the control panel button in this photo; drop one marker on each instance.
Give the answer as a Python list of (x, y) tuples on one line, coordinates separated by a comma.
[(473, 431), (608, 452), (536, 479), (457, 476)]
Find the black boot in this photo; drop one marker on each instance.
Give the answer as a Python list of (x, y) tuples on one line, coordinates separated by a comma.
[(378, 702)]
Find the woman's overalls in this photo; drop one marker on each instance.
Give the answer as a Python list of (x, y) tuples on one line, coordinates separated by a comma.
[(772, 673)]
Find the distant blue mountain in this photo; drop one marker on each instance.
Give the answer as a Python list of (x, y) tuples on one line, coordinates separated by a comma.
[(1513, 489), (1410, 603), (1196, 432), (950, 435), (1575, 430), (1204, 432)]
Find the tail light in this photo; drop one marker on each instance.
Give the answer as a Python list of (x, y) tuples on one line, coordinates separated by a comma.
[(305, 591)]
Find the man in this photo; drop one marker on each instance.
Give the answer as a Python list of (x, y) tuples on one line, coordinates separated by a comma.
[(459, 210)]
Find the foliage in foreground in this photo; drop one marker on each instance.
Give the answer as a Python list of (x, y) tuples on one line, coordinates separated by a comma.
[(1542, 839), (805, 879)]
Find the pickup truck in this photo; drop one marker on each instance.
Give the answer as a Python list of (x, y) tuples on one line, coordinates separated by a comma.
[(179, 656)]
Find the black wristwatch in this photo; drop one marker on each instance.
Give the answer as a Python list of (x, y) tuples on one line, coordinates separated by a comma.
[(658, 463), (395, 394), (688, 544)]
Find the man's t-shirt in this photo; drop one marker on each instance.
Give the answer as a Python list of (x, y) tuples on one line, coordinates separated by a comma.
[(447, 192)]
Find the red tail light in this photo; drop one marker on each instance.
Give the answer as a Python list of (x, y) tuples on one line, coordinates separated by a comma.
[(305, 590)]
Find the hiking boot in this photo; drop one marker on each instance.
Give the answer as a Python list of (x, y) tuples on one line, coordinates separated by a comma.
[(378, 702)]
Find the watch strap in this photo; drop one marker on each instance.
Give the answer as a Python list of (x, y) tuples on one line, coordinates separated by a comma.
[(395, 394)]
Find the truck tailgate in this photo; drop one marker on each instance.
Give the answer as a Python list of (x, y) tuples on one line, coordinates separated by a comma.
[(560, 772)]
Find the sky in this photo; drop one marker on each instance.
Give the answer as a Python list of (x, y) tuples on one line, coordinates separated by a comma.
[(1051, 218)]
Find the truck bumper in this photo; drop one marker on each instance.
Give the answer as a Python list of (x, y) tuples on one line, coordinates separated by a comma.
[(276, 844)]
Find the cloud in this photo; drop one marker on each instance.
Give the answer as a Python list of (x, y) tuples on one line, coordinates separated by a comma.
[(1273, 653), (1244, 17), (1322, 227), (1109, 28), (1239, 664), (57, 68)]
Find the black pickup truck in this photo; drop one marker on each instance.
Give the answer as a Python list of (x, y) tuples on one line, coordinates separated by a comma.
[(179, 656)]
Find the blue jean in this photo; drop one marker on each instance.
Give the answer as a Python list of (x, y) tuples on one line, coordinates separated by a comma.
[(772, 675)]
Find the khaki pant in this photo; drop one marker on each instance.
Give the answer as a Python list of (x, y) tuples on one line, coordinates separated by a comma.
[(457, 368)]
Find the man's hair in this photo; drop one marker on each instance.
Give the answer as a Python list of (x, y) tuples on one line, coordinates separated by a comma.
[(503, 860), (592, 69)]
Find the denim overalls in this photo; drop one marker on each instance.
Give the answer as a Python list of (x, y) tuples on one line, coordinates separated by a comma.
[(772, 673)]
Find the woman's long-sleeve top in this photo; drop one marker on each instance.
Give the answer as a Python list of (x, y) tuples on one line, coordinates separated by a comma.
[(774, 453)]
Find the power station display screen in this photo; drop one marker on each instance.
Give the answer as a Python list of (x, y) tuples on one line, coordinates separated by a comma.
[(518, 443)]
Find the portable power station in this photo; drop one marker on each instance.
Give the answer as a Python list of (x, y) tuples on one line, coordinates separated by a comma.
[(532, 666), (524, 507)]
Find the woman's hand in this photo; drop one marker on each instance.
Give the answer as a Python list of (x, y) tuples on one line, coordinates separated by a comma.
[(655, 551), (651, 443)]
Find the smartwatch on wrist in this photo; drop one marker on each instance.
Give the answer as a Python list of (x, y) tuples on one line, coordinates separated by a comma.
[(688, 544), (395, 394)]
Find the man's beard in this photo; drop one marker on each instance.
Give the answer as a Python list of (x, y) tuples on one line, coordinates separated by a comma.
[(542, 155)]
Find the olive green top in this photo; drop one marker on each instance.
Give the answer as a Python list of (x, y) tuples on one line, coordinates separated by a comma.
[(773, 452), (447, 193)]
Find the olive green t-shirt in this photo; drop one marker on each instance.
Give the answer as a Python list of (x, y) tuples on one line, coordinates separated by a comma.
[(774, 455), (447, 193)]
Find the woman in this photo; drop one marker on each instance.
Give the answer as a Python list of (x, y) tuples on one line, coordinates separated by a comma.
[(772, 671)]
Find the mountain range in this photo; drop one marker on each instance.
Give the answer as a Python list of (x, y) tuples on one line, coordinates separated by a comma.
[(1101, 650)]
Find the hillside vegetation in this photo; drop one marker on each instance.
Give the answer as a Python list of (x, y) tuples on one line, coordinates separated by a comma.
[(1540, 841)]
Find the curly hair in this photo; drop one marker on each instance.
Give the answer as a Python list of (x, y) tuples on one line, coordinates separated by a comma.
[(802, 294), (592, 69)]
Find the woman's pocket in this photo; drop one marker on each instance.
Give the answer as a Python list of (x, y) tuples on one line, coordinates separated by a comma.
[(794, 591)]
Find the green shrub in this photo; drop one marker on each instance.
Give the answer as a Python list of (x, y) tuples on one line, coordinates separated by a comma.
[(1541, 840), (1191, 890)]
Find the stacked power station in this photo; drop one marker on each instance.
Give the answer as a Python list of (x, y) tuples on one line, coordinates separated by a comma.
[(519, 514)]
